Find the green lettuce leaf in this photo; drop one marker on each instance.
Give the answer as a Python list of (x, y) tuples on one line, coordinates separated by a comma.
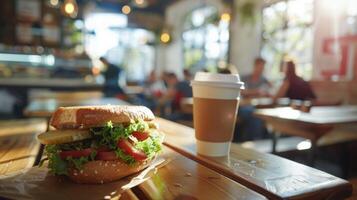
[(78, 162), (150, 146), (55, 163), (123, 156), (110, 134), (106, 136)]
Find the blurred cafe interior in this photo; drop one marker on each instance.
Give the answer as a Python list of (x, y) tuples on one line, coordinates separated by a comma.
[(297, 59)]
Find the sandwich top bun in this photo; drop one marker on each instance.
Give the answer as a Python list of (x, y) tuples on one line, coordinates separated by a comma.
[(96, 116)]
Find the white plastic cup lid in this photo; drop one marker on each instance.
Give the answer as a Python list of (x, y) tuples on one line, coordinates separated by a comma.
[(229, 79)]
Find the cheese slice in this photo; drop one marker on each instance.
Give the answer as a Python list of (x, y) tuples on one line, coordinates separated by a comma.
[(63, 136)]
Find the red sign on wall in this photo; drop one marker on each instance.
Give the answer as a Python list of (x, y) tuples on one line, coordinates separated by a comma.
[(346, 48)]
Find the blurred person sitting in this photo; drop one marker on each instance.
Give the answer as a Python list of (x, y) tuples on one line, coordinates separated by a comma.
[(183, 87), (154, 89), (112, 76), (166, 102), (177, 90), (256, 85), (249, 127), (293, 86)]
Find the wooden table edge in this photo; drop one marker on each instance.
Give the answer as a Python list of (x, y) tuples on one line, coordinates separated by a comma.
[(258, 113), (344, 186)]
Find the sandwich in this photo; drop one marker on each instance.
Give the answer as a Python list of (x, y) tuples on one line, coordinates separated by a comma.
[(99, 144)]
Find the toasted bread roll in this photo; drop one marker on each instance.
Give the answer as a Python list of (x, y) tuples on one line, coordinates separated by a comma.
[(100, 171), (97, 116)]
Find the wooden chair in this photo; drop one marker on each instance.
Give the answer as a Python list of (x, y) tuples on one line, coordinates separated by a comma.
[(18, 143)]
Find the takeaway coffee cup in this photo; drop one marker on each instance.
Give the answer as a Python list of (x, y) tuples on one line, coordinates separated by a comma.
[(215, 107)]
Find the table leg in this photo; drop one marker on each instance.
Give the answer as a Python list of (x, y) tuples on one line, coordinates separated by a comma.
[(345, 160), (312, 153), (275, 138), (318, 131)]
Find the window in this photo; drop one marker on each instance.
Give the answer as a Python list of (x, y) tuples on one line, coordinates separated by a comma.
[(107, 35), (287, 30), (205, 39)]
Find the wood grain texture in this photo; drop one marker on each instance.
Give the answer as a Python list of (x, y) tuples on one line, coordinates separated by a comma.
[(183, 178), (179, 178), (270, 175), (18, 144)]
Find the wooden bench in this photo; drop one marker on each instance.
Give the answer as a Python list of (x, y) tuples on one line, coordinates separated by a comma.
[(18, 146)]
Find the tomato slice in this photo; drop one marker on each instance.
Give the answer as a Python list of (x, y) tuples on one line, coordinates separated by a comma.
[(128, 148), (106, 155), (141, 136), (76, 153)]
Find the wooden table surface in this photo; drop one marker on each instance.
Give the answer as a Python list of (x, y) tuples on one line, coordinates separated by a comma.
[(18, 144), (242, 175), (324, 115), (312, 125), (270, 175)]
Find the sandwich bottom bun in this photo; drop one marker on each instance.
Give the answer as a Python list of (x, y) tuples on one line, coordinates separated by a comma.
[(99, 171)]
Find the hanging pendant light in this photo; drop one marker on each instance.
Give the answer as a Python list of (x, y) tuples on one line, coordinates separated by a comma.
[(141, 3), (70, 8), (165, 37), (126, 9), (53, 3)]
